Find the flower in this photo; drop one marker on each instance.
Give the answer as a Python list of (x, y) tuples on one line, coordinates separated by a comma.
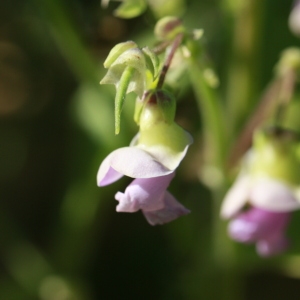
[(265, 220), (263, 227), (260, 202), (152, 158), (152, 177)]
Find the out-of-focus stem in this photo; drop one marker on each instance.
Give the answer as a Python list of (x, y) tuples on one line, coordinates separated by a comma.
[(212, 114), (243, 76)]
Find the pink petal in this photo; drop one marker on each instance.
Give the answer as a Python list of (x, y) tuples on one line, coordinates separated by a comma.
[(272, 246), (256, 224), (110, 176), (171, 211), (144, 193), (273, 195)]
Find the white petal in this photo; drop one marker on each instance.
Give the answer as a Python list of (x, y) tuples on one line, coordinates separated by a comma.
[(236, 197), (132, 162), (273, 195), (107, 175)]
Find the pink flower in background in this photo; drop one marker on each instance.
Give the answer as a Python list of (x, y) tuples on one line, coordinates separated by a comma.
[(266, 218)]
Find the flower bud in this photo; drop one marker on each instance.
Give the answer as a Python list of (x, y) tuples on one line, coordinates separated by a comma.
[(159, 106), (143, 63), (168, 27), (289, 60)]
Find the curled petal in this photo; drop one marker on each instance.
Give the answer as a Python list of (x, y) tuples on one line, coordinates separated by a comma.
[(132, 162), (172, 210), (236, 197), (144, 193), (110, 176), (273, 195)]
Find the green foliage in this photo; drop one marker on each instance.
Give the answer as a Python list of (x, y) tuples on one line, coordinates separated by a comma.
[(60, 235)]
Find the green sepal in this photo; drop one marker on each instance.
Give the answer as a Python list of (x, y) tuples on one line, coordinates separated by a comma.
[(120, 96), (116, 51), (139, 104), (275, 155), (134, 58), (152, 61), (159, 106)]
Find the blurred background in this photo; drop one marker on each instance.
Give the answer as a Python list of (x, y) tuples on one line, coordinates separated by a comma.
[(60, 237)]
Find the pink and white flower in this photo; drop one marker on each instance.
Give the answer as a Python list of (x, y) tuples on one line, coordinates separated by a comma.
[(260, 209), (153, 168)]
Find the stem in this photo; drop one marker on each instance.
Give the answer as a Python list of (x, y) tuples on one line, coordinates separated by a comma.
[(227, 273), (243, 75), (170, 55), (212, 113), (120, 96)]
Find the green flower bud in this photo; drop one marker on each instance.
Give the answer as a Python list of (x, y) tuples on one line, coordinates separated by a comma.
[(275, 155), (134, 59), (158, 107), (168, 27), (289, 60), (130, 69)]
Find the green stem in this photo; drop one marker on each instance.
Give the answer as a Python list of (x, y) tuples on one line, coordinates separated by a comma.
[(226, 271), (212, 114), (243, 77), (120, 96), (68, 41)]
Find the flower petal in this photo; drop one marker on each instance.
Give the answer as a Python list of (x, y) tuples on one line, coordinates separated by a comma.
[(144, 193), (171, 211), (272, 246), (107, 175), (132, 162), (256, 224), (273, 195), (236, 197)]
